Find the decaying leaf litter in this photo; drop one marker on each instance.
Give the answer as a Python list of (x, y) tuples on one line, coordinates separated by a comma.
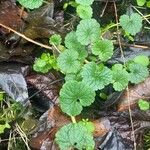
[(39, 93)]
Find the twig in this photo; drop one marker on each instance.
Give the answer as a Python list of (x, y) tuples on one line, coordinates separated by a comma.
[(133, 45), (56, 48), (23, 136), (118, 35), (9, 142), (26, 38), (141, 14), (103, 11), (120, 46)]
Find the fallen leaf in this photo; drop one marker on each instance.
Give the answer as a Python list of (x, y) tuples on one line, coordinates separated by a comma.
[(43, 84), (9, 16), (136, 92)]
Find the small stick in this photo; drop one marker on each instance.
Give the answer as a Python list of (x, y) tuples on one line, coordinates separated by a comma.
[(26, 38), (132, 45), (129, 107)]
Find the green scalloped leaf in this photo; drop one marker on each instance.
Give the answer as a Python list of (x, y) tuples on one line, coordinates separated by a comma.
[(68, 61), (71, 76), (31, 4), (141, 2), (103, 48), (96, 76), (41, 66), (148, 4), (85, 2), (74, 95), (120, 78), (138, 72), (3, 127), (45, 63), (141, 59), (55, 39), (88, 125), (75, 135), (143, 104), (84, 12), (131, 24), (72, 43), (88, 31)]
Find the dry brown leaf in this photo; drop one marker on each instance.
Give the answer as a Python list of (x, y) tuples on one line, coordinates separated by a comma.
[(136, 92), (43, 84), (9, 16)]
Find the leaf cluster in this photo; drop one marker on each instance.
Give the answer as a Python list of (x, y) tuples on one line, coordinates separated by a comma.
[(45, 63)]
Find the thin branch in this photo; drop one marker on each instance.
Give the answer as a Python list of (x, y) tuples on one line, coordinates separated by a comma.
[(103, 11), (132, 45), (26, 38), (141, 14), (120, 46)]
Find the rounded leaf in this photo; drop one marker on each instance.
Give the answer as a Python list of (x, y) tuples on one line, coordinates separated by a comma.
[(120, 77), (142, 59), (74, 95), (74, 135), (41, 66), (88, 125), (131, 24), (68, 61), (55, 39), (31, 4), (97, 77), (88, 31), (138, 72), (71, 76), (72, 43), (141, 2), (103, 48), (143, 104), (148, 4), (85, 2), (84, 12)]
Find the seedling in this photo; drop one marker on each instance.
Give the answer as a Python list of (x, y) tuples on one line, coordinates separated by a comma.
[(45, 63)]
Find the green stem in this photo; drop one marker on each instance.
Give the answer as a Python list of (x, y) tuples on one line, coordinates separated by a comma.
[(56, 48), (46, 2), (73, 119), (147, 16), (86, 61), (147, 28)]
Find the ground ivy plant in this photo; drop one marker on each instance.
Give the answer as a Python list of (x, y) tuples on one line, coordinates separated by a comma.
[(83, 76)]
